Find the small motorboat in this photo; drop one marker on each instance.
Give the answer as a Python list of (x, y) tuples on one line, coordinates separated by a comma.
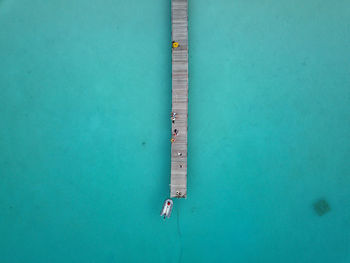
[(167, 207)]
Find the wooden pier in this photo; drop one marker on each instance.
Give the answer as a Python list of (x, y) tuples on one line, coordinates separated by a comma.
[(179, 21)]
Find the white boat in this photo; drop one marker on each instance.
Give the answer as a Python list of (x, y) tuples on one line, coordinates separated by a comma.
[(167, 207)]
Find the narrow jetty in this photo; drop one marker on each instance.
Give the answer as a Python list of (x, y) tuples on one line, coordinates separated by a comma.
[(179, 21)]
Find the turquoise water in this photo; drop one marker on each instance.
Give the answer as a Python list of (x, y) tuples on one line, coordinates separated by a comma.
[(85, 96)]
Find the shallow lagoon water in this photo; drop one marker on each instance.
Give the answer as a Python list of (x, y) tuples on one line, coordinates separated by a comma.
[(85, 96)]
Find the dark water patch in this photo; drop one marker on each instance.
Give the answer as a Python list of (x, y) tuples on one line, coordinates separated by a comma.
[(321, 207), (143, 143)]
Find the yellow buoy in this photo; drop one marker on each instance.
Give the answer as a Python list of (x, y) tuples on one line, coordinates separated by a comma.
[(172, 140), (175, 44)]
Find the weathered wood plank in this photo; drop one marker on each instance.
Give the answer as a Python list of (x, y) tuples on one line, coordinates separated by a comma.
[(179, 19)]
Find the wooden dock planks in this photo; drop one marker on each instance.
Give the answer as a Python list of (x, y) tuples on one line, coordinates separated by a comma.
[(179, 21)]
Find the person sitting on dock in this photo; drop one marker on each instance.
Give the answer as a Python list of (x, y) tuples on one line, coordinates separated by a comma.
[(173, 117)]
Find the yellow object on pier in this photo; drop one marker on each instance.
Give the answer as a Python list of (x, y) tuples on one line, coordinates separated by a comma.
[(175, 44)]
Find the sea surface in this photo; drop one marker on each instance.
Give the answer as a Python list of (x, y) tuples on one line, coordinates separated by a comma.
[(85, 101)]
